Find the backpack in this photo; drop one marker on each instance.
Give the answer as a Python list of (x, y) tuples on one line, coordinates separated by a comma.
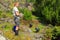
[(14, 28), (37, 29)]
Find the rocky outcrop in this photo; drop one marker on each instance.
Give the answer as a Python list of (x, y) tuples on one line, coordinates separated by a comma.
[(6, 20), (4, 5), (2, 37)]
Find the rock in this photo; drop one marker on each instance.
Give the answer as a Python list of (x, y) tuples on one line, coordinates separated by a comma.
[(37, 30), (2, 37), (1, 32), (21, 15), (26, 29), (2, 19), (30, 25), (38, 36), (29, 30), (6, 21), (4, 26), (0, 22), (10, 20)]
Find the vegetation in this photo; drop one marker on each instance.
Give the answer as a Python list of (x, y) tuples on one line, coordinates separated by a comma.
[(45, 16), (48, 11)]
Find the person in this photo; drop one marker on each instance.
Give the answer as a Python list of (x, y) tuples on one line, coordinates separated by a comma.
[(16, 15)]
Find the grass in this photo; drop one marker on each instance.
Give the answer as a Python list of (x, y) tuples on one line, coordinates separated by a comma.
[(22, 35), (10, 34)]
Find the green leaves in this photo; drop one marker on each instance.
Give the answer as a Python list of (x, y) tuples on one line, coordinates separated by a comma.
[(48, 9), (27, 14)]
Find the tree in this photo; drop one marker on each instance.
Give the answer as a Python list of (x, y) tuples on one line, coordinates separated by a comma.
[(48, 10)]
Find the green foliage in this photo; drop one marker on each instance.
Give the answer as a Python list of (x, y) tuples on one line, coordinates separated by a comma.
[(52, 33), (27, 14), (31, 1), (55, 32), (48, 10), (6, 14), (34, 17)]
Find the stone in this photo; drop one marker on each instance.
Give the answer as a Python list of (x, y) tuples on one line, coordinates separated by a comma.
[(29, 30), (1, 32), (4, 26), (2, 37), (2, 19), (30, 25), (21, 15), (37, 29), (38, 36), (0, 22)]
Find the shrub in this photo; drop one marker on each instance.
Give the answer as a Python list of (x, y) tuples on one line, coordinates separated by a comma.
[(27, 14)]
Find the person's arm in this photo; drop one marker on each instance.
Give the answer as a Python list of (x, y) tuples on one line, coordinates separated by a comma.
[(17, 13)]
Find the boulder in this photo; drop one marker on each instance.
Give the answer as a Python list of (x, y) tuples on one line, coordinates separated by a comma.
[(4, 26), (2, 37), (38, 36), (2, 19), (1, 32)]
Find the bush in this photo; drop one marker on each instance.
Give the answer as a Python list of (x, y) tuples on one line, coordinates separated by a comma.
[(27, 14), (52, 33), (48, 10)]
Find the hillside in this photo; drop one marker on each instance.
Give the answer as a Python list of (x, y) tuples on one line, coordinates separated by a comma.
[(43, 16)]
